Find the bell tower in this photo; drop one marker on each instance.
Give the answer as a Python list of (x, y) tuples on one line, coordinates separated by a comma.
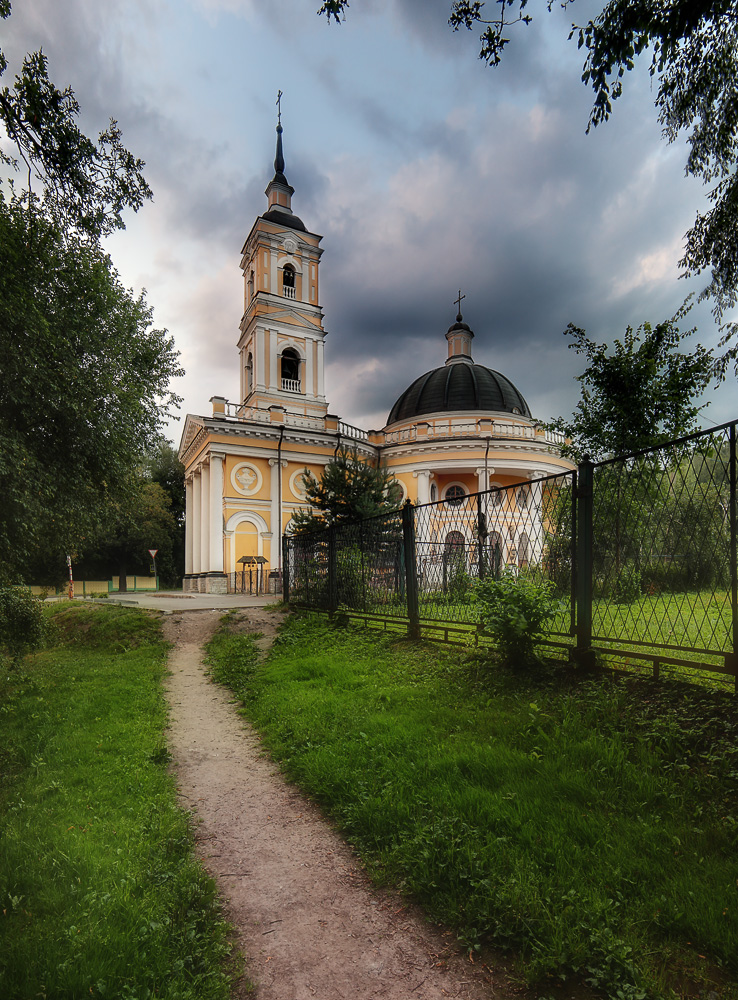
[(282, 336)]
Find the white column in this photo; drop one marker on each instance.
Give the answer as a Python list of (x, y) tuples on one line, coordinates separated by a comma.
[(204, 518), (216, 513), (275, 526), (274, 381), (423, 477), (308, 385), (321, 385), (483, 475), (196, 523), (189, 525)]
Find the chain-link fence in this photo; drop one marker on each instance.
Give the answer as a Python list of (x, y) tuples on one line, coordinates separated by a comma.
[(641, 552)]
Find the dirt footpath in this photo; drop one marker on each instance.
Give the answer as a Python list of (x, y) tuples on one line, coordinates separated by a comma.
[(308, 920)]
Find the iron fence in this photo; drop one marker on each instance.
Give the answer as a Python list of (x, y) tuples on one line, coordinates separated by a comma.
[(640, 550)]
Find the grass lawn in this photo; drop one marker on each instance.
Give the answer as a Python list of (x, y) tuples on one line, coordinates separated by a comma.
[(586, 823), (100, 894)]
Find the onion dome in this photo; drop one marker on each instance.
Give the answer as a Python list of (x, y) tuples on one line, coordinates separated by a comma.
[(279, 193)]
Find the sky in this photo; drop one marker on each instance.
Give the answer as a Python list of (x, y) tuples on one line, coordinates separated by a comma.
[(425, 171)]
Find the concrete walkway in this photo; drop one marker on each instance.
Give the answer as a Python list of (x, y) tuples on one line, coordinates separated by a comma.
[(176, 600)]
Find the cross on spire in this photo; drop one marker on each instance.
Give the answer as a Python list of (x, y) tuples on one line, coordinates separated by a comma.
[(279, 107), (458, 303)]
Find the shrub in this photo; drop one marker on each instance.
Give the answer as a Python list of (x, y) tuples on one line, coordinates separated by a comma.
[(627, 587), (23, 625), (515, 611)]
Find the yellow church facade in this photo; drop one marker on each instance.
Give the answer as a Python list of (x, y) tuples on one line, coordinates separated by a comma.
[(461, 428)]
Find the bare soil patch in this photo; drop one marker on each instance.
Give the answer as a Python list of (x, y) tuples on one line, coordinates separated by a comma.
[(307, 917)]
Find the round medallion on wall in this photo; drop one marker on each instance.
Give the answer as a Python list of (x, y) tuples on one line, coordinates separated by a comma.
[(246, 479), (297, 485)]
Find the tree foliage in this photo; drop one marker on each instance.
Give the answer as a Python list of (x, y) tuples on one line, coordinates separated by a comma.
[(637, 395), (84, 185), (85, 377), (349, 489), (692, 50)]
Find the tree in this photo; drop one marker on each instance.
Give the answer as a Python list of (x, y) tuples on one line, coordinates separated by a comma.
[(640, 394), (349, 489), (121, 546), (85, 186), (84, 375), (693, 50), (85, 378)]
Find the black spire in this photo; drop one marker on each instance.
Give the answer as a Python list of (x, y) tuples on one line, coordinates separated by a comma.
[(279, 158)]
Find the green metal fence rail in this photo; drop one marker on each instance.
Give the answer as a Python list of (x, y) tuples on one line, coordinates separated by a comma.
[(641, 551)]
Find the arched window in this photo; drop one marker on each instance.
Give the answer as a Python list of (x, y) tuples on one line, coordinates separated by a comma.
[(496, 555), (523, 549), (250, 372), (497, 496), (522, 497), (433, 492), (251, 285), (454, 544), (291, 370), (288, 281), (454, 495)]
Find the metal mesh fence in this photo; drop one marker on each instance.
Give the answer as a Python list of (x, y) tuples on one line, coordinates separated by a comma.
[(640, 551), (661, 552), (524, 528)]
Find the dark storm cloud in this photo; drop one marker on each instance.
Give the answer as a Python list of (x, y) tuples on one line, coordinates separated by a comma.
[(541, 226)]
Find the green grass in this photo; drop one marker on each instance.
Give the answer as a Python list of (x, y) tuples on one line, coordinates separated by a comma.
[(589, 824), (100, 893)]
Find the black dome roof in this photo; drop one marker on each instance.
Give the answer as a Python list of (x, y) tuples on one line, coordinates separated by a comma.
[(284, 219), (459, 386)]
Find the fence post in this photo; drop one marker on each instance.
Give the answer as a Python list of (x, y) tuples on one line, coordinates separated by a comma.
[(285, 569), (733, 473), (411, 578), (332, 571), (584, 491)]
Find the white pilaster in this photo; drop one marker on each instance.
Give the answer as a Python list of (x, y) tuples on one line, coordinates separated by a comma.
[(216, 513), (308, 384), (274, 381), (204, 518), (275, 526), (260, 360), (321, 384)]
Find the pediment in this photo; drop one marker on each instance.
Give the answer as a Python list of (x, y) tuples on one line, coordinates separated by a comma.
[(193, 426)]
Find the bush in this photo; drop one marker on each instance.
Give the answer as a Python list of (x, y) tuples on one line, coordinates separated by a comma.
[(627, 586), (23, 625), (515, 611)]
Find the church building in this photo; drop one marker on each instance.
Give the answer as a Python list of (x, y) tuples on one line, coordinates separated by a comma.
[(458, 429)]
